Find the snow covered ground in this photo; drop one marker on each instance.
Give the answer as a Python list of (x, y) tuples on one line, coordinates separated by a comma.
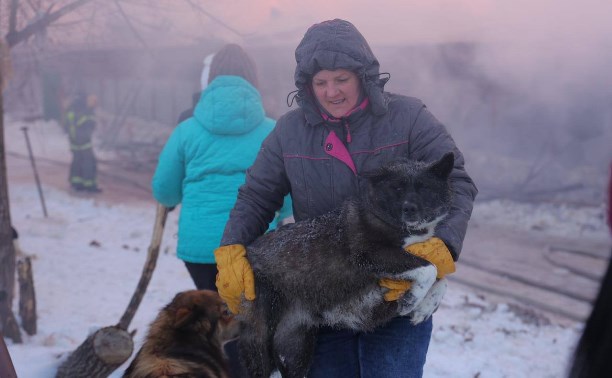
[(89, 252), (88, 256), (557, 219)]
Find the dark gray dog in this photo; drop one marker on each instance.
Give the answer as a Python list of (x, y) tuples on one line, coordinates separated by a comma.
[(325, 271)]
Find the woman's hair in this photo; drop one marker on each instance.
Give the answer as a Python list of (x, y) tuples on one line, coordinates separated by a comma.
[(233, 60)]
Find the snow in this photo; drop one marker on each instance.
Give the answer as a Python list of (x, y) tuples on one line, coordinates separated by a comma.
[(87, 259), (553, 219), (88, 256), (89, 252)]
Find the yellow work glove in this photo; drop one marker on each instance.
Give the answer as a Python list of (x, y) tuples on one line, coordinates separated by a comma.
[(397, 288), (433, 250), (235, 275)]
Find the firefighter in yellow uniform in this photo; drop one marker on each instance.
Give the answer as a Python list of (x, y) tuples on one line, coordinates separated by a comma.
[(80, 124)]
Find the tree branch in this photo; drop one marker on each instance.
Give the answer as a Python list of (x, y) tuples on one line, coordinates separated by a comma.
[(14, 37), (13, 16), (212, 17), (132, 28)]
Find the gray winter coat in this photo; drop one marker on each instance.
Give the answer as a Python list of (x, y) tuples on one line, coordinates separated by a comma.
[(319, 161)]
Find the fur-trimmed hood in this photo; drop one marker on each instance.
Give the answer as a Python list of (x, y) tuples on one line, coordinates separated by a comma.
[(332, 45)]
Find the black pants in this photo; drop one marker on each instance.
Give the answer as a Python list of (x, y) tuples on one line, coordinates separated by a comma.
[(84, 169), (204, 277)]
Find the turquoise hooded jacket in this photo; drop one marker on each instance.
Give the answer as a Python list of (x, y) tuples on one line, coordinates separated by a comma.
[(204, 162)]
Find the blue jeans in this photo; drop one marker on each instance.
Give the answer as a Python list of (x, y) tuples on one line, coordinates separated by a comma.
[(397, 350)]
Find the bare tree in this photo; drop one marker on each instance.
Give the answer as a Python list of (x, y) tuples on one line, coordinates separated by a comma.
[(18, 32), (23, 21), (8, 324), (44, 19)]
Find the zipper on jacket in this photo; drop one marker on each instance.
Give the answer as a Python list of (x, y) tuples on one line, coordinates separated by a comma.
[(348, 130)]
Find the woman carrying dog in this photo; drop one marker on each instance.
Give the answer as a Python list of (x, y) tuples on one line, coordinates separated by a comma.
[(205, 159), (345, 124)]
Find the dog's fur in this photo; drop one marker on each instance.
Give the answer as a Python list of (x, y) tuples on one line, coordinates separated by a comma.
[(325, 271), (185, 339)]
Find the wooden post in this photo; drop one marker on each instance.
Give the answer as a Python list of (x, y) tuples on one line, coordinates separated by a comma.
[(27, 296), (32, 161)]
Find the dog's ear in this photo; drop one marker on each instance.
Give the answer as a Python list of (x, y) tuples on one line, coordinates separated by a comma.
[(443, 167), (189, 317), (183, 316)]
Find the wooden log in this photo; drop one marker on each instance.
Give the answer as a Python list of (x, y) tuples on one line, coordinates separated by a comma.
[(99, 355), (8, 323), (27, 296)]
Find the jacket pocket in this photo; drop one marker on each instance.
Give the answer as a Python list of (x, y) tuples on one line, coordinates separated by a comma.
[(369, 159)]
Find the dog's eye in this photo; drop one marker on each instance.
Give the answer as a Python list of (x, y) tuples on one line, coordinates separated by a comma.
[(226, 313), (418, 186)]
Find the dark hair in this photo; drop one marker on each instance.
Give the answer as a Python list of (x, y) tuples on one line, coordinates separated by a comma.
[(233, 60)]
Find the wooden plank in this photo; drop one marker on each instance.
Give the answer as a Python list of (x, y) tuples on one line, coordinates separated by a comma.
[(527, 258)]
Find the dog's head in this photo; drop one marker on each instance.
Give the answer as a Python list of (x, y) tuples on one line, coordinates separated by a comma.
[(202, 312), (410, 194)]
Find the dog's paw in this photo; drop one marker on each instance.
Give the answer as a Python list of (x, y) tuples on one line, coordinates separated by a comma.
[(406, 304), (430, 303), (422, 279)]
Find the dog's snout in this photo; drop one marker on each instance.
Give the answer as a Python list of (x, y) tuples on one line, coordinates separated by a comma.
[(409, 207)]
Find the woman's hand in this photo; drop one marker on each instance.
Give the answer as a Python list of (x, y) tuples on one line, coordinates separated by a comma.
[(235, 276), (435, 251)]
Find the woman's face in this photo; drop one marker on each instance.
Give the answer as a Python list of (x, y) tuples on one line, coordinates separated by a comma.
[(337, 91)]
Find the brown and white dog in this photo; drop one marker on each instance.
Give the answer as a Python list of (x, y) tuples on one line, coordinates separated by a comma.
[(186, 339)]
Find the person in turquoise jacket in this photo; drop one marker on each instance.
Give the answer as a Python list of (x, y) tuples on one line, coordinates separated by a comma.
[(206, 157)]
